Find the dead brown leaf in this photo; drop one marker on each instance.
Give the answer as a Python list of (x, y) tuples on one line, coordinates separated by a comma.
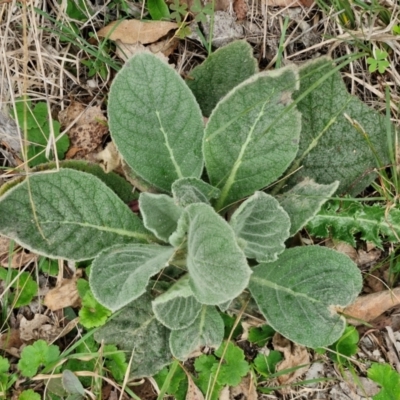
[(371, 306), (288, 3), (19, 257), (109, 158), (240, 7), (294, 355), (64, 295), (42, 327), (245, 390), (11, 342), (193, 392), (89, 128), (134, 31)]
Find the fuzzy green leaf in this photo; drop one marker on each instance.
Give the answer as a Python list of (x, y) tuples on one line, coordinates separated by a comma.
[(206, 330), (155, 122), (177, 308), (221, 72), (304, 201), (331, 148), (137, 330), (343, 220), (252, 135), (160, 214), (67, 214), (217, 267), (192, 190), (120, 274), (300, 292), (71, 383), (263, 225), (36, 355)]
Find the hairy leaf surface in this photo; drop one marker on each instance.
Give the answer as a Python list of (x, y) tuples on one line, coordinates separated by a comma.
[(252, 135), (67, 214), (304, 201), (137, 331), (120, 274), (160, 214), (206, 330), (343, 220), (155, 122), (332, 147), (300, 293), (220, 72), (177, 308), (192, 190), (263, 225)]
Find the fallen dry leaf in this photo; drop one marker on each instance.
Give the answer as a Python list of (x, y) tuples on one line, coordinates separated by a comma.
[(294, 355), (126, 51), (288, 3), (193, 392), (371, 306), (19, 257), (134, 31), (89, 128), (64, 295), (245, 390), (42, 327), (109, 158), (240, 7), (11, 342)]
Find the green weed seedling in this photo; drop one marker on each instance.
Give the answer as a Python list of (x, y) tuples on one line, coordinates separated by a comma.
[(39, 127), (385, 376), (217, 204), (379, 62)]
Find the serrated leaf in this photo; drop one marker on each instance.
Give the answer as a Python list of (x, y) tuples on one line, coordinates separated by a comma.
[(342, 220), (388, 378), (252, 135), (120, 274), (263, 225), (155, 122), (234, 367), (160, 214), (212, 80), (206, 330), (192, 190), (36, 355), (217, 267), (136, 330), (300, 293), (346, 346), (304, 201), (74, 217), (266, 365), (177, 308), (92, 314), (331, 148)]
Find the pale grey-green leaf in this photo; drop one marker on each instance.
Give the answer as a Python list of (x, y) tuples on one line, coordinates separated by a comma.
[(177, 308), (304, 201), (155, 121), (192, 190), (120, 274), (300, 293), (263, 225), (220, 72), (160, 214), (252, 135), (137, 331), (206, 330), (331, 148), (68, 214), (217, 267)]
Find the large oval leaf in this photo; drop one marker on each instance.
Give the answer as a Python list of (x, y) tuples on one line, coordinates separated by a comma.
[(300, 293), (67, 214), (252, 135), (120, 274), (206, 330), (263, 225), (155, 122), (217, 267), (137, 331), (220, 72)]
